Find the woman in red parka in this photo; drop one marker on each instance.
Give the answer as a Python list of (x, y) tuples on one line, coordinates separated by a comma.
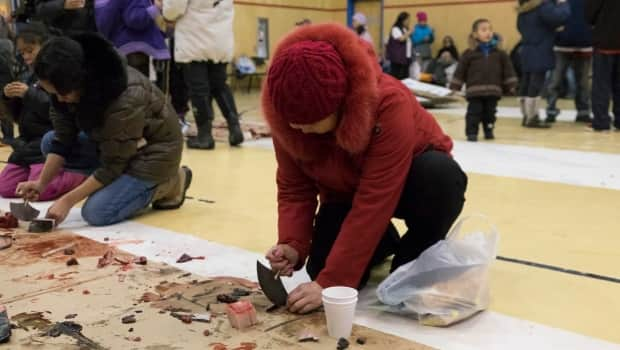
[(356, 141)]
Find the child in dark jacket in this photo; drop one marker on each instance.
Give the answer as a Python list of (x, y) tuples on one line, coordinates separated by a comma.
[(29, 106), (486, 72)]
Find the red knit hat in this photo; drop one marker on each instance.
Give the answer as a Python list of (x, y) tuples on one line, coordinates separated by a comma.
[(307, 82)]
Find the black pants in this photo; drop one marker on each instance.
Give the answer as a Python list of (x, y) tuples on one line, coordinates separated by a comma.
[(139, 61), (399, 71), (605, 86), (432, 199), (531, 84), (480, 110), (207, 80), (179, 93)]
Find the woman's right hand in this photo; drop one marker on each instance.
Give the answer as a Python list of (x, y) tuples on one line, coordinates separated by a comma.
[(283, 259), (29, 190)]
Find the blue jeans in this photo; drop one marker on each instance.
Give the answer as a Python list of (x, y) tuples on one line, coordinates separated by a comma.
[(84, 157), (605, 86), (118, 201)]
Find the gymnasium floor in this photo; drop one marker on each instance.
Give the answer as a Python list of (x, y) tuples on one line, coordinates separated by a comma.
[(553, 195)]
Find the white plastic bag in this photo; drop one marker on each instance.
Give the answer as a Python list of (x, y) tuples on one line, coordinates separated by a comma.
[(447, 283)]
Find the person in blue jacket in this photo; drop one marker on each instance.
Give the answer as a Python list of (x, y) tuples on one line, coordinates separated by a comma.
[(538, 22), (422, 38)]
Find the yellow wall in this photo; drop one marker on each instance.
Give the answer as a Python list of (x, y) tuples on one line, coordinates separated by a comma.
[(372, 10), (281, 19), (456, 19)]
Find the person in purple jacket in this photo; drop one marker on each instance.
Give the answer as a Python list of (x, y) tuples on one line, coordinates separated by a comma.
[(131, 26)]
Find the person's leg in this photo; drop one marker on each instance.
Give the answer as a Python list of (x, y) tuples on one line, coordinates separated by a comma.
[(601, 91), (327, 225), (118, 201), (432, 199), (475, 109), (581, 66), (616, 90), (557, 77), (225, 100), (196, 76), (139, 61), (400, 71), (524, 84), (83, 159), (489, 117), (64, 182), (8, 133), (10, 177), (532, 100)]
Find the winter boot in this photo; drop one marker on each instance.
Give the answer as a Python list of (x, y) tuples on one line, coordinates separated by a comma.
[(552, 115), (488, 131), (531, 111), (226, 102), (171, 194), (523, 111), (203, 114)]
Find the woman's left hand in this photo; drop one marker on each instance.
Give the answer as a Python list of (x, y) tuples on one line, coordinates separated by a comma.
[(16, 89), (305, 298), (59, 210)]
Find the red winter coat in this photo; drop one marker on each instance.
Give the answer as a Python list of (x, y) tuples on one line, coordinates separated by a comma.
[(365, 161)]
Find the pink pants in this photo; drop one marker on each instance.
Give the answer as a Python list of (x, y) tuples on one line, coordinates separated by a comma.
[(13, 174)]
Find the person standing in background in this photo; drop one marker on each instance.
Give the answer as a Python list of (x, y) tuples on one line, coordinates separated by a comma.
[(603, 15), (68, 16), (204, 45), (573, 48), (537, 22), (360, 25), (422, 38), (130, 25), (398, 49)]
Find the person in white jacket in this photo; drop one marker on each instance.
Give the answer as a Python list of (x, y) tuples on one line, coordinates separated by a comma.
[(204, 46)]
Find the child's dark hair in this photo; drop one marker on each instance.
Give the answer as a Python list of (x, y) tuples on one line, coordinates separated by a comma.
[(33, 33), (60, 62), (477, 23)]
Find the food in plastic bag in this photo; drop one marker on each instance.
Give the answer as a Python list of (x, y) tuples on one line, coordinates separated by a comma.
[(447, 283)]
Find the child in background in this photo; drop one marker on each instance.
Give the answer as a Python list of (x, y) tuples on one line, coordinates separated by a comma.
[(486, 72), (422, 39), (29, 106)]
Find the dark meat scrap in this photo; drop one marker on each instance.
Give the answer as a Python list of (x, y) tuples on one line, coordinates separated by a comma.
[(129, 319), (361, 340), (140, 260), (185, 258), (227, 298), (239, 292), (342, 344), (72, 262), (70, 316), (69, 251), (8, 221)]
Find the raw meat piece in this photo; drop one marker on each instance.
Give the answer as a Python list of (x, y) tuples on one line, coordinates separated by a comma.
[(241, 314)]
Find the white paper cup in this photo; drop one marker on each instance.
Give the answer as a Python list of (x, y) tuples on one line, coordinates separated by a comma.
[(339, 317), (339, 294)]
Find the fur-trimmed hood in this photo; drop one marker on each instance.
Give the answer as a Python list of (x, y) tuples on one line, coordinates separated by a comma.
[(105, 81), (529, 5), (357, 115)]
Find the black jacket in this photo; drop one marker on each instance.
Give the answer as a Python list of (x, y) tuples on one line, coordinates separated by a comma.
[(604, 15), (31, 114), (54, 15)]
